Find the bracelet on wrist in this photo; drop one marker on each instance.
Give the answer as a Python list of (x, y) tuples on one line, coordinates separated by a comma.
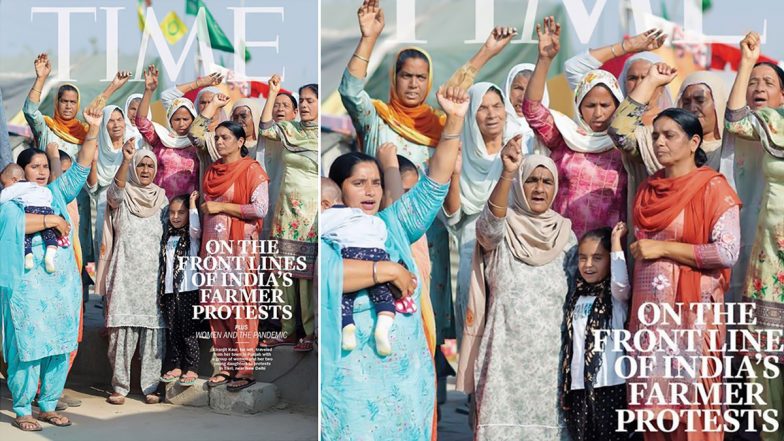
[(361, 58), (375, 269), (448, 137), (623, 48)]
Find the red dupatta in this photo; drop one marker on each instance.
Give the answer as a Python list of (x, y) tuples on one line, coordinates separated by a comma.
[(245, 175), (703, 195)]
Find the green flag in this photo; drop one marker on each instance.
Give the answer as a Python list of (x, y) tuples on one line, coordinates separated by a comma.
[(218, 39)]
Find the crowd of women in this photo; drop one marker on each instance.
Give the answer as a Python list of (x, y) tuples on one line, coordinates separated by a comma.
[(135, 197), (539, 204)]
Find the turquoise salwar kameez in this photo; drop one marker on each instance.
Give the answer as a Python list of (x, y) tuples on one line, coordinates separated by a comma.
[(39, 311), (365, 396)]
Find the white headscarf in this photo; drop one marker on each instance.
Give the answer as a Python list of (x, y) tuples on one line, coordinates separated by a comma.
[(221, 115), (167, 135), (519, 123), (480, 170), (130, 127), (579, 136), (665, 100), (109, 158)]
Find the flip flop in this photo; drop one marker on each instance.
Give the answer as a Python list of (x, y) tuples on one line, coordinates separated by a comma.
[(226, 379), (51, 417), (168, 377), (248, 382), (17, 422), (188, 381)]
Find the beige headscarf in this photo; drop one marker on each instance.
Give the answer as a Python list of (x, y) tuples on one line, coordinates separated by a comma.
[(255, 113), (141, 201), (719, 92), (535, 239)]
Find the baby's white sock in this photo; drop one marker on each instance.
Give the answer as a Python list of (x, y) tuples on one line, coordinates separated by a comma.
[(349, 337), (49, 259), (383, 346), (29, 261)]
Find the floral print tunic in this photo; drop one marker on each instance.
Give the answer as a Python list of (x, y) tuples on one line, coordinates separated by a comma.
[(591, 187), (178, 169)]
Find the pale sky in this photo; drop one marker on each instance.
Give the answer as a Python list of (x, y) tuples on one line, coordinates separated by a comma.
[(297, 33)]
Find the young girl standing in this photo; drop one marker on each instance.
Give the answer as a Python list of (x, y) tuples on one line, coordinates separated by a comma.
[(176, 290), (592, 390)]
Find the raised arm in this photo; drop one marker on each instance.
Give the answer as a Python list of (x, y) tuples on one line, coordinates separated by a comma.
[(274, 90), (452, 201), (511, 157), (119, 80), (549, 45), (42, 70), (150, 84), (454, 102), (630, 113), (498, 39), (371, 23), (750, 52), (576, 67), (89, 148), (393, 183), (53, 155), (121, 177)]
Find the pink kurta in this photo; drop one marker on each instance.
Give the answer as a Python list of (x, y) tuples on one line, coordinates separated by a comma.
[(656, 281), (591, 186), (236, 354), (178, 169)]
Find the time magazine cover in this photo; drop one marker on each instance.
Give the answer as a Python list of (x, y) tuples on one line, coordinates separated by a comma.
[(551, 220), (159, 169)]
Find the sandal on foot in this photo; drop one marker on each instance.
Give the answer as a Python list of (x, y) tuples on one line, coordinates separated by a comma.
[(273, 342), (152, 399), (26, 424), (226, 379), (188, 380), (306, 344), (116, 399), (54, 419), (169, 377), (248, 382)]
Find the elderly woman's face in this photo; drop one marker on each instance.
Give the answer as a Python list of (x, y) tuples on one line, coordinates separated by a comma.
[(133, 107), (698, 100), (242, 115), (517, 90), (145, 170), (363, 188), (539, 190), (116, 126), (671, 144), (491, 115), (638, 70)]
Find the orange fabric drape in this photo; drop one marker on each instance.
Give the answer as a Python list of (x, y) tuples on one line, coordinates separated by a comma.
[(660, 200), (421, 124), (72, 130)]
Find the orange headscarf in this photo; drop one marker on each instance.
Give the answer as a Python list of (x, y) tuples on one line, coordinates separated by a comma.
[(421, 124), (72, 130), (703, 195), (245, 175)]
